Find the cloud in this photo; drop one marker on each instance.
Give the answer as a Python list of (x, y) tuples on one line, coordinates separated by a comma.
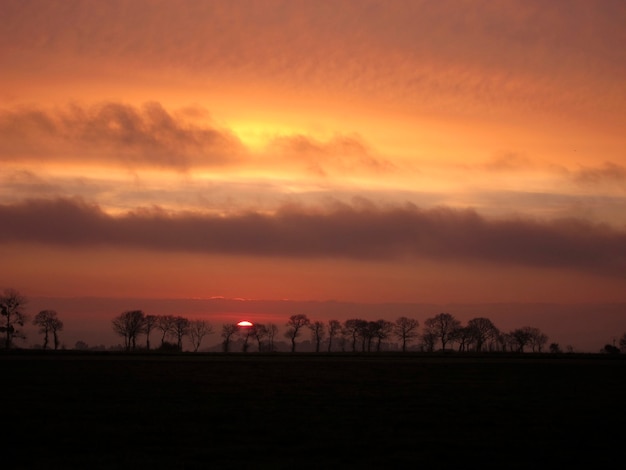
[(343, 154), (356, 231), (114, 132), (508, 161), (609, 173), (444, 54)]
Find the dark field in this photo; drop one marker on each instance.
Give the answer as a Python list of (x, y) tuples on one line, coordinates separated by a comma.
[(311, 411)]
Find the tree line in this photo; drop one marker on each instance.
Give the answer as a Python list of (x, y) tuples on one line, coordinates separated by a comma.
[(439, 333), (442, 332)]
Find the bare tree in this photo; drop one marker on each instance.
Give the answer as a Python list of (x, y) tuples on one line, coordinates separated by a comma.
[(367, 332), (428, 341), (405, 329), (463, 336), (245, 332), (442, 326), (353, 329), (180, 327), (333, 328), (12, 305), (165, 324), (294, 325), (318, 332), (382, 330), (129, 325), (537, 339), (228, 330), (198, 329), (272, 331), (149, 324), (48, 322), (521, 337), (259, 333), (481, 330)]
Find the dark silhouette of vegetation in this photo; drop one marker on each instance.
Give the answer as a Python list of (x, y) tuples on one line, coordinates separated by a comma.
[(180, 329), (198, 329), (149, 324), (318, 333), (555, 348), (12, 305), (333, 328), (228, 331), (443, 330), (294, 325), (48, 322), (129, 325), (406, 331), (443, 327)]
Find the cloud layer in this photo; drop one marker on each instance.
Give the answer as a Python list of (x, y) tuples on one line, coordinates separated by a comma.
[(362, 231)]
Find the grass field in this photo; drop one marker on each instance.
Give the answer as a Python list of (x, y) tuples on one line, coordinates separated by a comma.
[(188, 411)]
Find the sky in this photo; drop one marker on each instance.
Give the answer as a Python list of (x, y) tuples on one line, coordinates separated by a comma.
[(368, 152)]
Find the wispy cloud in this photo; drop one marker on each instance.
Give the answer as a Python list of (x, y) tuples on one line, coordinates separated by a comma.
[(342, 154), (362, 231), (607, 174)]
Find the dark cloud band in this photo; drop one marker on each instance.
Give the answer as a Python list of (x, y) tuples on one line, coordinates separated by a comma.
[(355, 232)]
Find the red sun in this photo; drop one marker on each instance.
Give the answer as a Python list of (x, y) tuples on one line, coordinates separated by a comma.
[(244, 323)]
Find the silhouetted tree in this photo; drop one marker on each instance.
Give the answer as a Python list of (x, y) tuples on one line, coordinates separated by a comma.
[(622, 342), (368, 332), (259, 332), (12, 305), (198, 329), (463, 337), (353, 329), (333, 328), (521, 337), (442, 326), (537, 340), (245, 332), (481, 330), (406, 330), (129, 325), (81, 346), (180, 327), (48, 322), (228, 330), (271, 330), (610, 349), (555, 348), (294, 325), (165, 324), (383, 331), (149, 324), (318, 332), (428, 341)]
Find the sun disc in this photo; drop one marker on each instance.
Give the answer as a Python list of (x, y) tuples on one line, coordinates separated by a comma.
[(244, 323)]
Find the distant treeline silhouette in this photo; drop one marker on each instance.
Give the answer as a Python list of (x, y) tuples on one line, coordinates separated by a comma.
[(442, 332)]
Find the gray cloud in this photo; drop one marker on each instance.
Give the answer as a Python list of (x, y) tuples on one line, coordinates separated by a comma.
[(361, 231), (111, 131), (608, 173)]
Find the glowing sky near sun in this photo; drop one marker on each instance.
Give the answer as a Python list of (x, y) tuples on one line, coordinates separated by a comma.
[(352, 150)]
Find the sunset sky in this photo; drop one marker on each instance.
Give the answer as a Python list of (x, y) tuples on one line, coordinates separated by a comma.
[(356, 151)]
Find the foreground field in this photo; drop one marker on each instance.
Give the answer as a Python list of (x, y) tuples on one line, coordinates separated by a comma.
[(108, 411)]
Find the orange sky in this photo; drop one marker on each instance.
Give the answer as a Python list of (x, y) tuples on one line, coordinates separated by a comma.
[(398, 151)]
